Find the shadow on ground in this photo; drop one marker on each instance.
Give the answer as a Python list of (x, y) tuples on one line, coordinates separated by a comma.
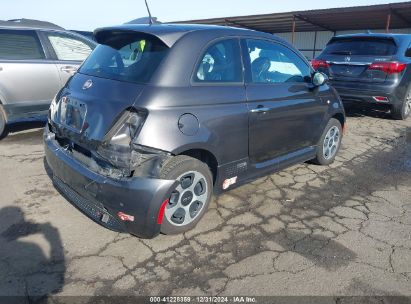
[(32, 263), (27, 132), (366, 110)]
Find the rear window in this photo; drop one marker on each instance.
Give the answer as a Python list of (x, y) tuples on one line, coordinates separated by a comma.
[(130, 57), (361, 46)]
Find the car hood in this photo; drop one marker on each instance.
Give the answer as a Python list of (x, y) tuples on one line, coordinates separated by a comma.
[(101, 103)]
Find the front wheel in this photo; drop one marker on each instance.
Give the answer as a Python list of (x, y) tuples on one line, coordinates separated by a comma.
[(329, 143), (402, 110), (190, 200)]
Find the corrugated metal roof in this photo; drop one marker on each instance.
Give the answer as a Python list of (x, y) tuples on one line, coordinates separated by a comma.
[(334, 19)]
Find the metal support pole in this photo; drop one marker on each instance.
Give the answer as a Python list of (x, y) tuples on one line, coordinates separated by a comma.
[(387, 27), (315, 43), (293, 33)]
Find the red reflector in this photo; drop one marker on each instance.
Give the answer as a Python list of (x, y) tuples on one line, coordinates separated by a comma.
[(161, 212), (388, 67), (345, 128), (125, 217), (316, 64)]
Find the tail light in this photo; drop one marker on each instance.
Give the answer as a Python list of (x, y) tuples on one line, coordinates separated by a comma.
[(381, 98), (388, 67), (316, 64)]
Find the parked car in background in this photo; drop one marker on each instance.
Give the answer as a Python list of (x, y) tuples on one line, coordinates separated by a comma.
[(370, 68), (36, 59), (160, 117)]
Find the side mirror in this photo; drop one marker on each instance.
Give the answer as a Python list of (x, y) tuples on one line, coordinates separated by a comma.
[(319, 79), (408, 53)]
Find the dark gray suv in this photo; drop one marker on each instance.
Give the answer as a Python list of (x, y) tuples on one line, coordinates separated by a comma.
[(159, 117), (36, 59), (370, 69)]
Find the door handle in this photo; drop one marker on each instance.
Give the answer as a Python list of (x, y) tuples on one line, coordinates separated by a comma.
[(69, 69), (260, 109)]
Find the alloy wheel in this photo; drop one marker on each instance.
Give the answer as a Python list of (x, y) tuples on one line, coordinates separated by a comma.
[(331, 143), (188, 199)]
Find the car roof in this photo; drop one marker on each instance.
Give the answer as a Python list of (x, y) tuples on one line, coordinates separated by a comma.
[(396, 37), (29, 24), (171, 33)]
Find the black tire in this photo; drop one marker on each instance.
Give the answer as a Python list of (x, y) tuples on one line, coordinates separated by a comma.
[(402, 110), (3, 124), (173, 169), (320, 158)]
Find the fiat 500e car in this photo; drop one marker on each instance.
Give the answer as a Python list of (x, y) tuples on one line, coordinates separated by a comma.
[(160, 117)]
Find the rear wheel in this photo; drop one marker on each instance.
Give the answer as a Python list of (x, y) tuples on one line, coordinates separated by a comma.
[(329, 143), (402, 110), (191, 198), (3, 123)]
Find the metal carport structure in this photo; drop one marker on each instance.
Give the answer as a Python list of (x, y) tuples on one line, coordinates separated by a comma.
[(374, 17)]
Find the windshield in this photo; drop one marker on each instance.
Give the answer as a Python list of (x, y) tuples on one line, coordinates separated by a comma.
[(361, 46), (130, 57)]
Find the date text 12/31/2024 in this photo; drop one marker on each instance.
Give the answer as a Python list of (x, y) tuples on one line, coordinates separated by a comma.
[(234, 299)]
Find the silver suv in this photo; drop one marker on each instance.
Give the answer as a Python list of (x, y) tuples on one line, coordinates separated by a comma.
[(36, 60)]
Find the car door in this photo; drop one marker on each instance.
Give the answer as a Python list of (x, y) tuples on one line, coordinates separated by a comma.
[(218, 87), (68, 50), (285, 110), (28, 79)]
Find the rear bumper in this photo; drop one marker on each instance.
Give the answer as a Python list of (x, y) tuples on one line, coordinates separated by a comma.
[(101, 198), (365, 93)]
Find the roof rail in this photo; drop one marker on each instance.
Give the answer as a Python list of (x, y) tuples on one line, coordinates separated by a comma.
[(29, 23)]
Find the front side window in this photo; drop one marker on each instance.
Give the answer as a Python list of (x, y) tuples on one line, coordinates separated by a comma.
[(221, 63), (20, 45), (274, 63), (130, 57), (69, 48)]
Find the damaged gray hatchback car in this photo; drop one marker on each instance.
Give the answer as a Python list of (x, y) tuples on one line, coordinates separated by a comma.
[(160, 117)]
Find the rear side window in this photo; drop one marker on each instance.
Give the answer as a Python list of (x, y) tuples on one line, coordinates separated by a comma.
[(130, 57), (68, 47), (361, 46), (20, 45), (221, 63)]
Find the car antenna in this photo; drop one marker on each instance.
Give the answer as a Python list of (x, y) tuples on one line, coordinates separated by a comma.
[(150, 19)]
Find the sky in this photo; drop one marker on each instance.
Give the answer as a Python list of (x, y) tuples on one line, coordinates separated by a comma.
[(91, 14)]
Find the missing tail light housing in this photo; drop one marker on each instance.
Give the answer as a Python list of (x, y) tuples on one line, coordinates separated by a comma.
[(388, 67), (116, 147), (125, 129)]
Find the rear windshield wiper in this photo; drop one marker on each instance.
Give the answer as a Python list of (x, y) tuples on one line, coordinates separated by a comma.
[(341, 52)]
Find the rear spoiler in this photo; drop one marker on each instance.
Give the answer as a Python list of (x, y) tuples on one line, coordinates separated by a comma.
[(168, 38)]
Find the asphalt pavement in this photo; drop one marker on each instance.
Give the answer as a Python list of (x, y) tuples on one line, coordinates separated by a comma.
[(341, 230)]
